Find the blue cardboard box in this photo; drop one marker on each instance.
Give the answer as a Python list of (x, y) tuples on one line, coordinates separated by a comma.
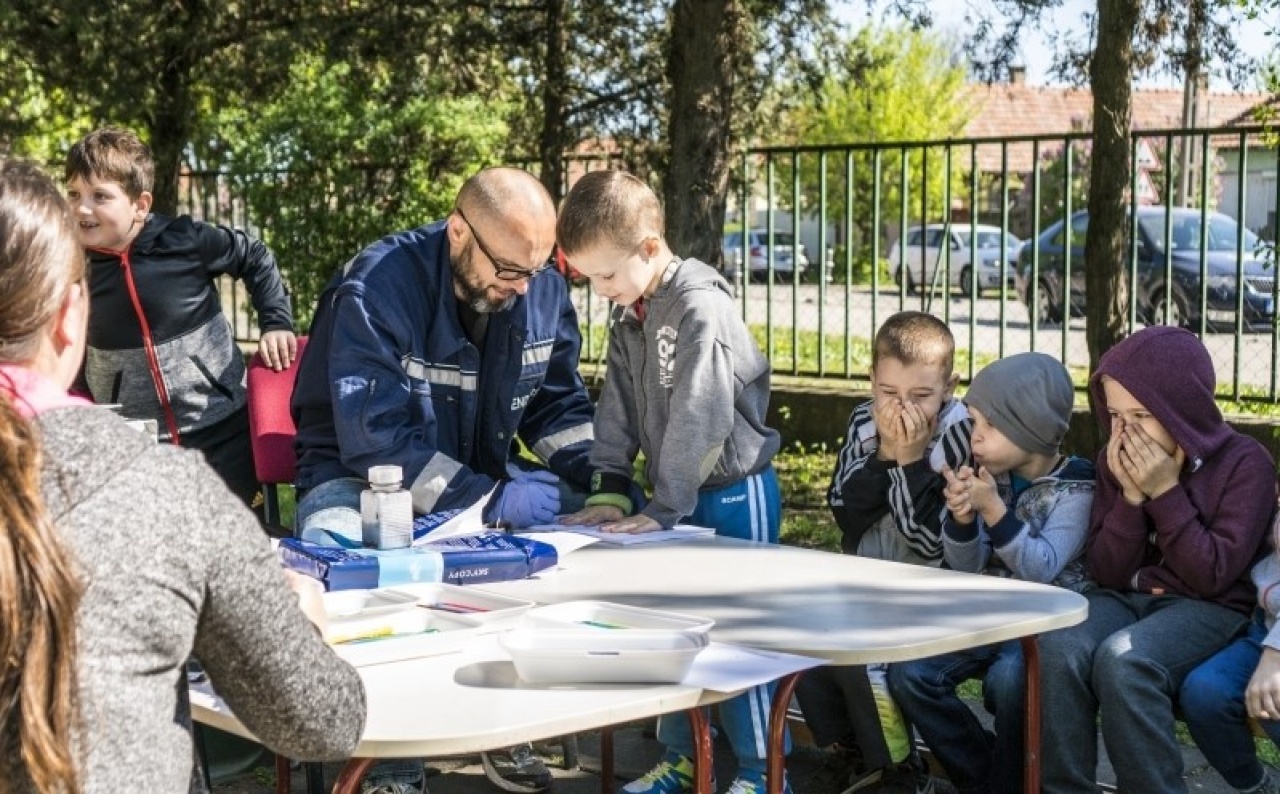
[(490, 557)]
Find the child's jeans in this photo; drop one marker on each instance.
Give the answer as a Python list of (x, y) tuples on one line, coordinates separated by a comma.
[(1212, 702), (750, 509), (925, 690)]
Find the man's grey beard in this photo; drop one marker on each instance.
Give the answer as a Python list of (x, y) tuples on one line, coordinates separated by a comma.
[(482, 305), (475, 297)]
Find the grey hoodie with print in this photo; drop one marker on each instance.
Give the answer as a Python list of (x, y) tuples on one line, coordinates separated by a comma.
[(687, 386)]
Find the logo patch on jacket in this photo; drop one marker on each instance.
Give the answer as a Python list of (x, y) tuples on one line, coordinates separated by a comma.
[(666, 338)]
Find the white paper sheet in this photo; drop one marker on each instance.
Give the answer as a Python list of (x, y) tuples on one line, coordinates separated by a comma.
[(565, 542), (468, 522), (677, 533), (730, 668)]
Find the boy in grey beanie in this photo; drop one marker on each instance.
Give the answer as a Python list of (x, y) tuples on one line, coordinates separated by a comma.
[(1027, 396), (1021, 511)]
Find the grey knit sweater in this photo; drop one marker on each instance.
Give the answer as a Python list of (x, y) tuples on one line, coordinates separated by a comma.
[(175, 566)]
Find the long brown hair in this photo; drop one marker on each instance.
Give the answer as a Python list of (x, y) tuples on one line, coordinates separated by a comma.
[(39, 586)]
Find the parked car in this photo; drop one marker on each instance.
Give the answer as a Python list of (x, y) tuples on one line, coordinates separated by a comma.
[(926, 251), (1222, 268), (787, 257)]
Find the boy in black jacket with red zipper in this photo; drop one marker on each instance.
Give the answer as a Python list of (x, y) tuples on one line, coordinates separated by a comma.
[(159, 343)]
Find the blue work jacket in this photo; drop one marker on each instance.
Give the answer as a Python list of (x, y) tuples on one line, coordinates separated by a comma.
[(390, 377)]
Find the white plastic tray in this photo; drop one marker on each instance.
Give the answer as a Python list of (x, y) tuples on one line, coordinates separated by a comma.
[(451, 617), (470, 605), (604, 614), (590, 642), (600, 656), (344, 604)]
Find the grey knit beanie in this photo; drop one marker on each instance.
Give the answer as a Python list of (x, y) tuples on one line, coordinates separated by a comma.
[(1028, 397)]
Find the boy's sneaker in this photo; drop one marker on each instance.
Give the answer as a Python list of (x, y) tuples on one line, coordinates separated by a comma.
[(863, 781), (928, 784), (1270, 782), (517, 769), (754, 785), (673, 775), (395, 776), (390, 788), (901, 778)]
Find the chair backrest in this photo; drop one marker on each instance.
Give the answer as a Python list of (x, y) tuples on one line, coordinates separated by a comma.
[(271, 427)]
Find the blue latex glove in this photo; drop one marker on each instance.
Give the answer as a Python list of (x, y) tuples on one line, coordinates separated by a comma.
[(529, 498)]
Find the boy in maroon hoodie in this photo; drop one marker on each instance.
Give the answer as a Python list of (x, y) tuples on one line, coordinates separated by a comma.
[(1180, 513)]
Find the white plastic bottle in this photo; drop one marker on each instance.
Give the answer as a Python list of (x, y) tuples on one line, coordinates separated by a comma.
[(386, 510)]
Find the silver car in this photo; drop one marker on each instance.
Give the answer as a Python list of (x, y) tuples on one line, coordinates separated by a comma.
[(931, 248), (789, 260)]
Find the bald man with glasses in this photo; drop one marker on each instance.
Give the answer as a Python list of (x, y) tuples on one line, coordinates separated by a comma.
[(435, 349)]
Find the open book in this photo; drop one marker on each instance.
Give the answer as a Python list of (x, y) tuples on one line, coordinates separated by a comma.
[(678, 532)]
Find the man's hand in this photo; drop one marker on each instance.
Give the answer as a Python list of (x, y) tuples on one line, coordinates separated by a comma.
[(1152, 470), (278, 349), (917, 430), (887, 413), (1262, 696), (634, 525), (957, 494), (592, 516), (529, 498)]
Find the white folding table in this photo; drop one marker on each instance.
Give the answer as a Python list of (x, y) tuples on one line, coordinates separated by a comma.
[(468, 702), (842, 608), (845, 609)]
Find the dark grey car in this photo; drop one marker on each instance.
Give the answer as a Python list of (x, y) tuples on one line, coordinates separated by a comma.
[(1211, 287)]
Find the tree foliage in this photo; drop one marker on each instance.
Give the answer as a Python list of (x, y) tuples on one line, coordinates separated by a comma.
[(149, 66), (890, 83), (343, 156), (1124, 39), (186, 74)]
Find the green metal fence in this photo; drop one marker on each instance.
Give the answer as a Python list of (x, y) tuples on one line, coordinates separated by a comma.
[(824, 242), (911, 225)]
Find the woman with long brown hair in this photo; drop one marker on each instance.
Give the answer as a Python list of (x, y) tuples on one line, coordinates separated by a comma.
[(120, 558)]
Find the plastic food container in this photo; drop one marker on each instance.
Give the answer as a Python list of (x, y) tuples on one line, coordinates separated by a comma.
[(595, 642), (343, 604), (604, 614), (469, 605), (391, 624)]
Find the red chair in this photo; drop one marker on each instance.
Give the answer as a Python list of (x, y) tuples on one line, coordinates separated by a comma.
[(271, 432), (271, 429)]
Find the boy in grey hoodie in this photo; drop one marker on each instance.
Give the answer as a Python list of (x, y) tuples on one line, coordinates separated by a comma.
[(688, 387), (1021, 511)]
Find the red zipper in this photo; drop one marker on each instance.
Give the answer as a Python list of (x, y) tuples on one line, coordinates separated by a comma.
[(148, 345)]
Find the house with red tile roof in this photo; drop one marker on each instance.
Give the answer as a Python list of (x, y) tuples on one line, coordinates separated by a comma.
[(1017, 110)]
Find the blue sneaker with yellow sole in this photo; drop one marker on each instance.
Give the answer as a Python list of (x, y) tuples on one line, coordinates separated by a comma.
[(673, 775)]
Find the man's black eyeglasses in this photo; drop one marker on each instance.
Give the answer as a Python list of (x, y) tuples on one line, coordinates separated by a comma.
[(503, 270)]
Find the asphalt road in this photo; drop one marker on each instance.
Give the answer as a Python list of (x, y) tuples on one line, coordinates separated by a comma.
[(989, 327)]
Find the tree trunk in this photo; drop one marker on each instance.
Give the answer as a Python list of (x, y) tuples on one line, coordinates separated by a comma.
[(554, 137), (1106, 248), (170, 128), (700, 70)]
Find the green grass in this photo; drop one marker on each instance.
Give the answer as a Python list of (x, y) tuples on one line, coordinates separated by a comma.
[(804, 475)]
